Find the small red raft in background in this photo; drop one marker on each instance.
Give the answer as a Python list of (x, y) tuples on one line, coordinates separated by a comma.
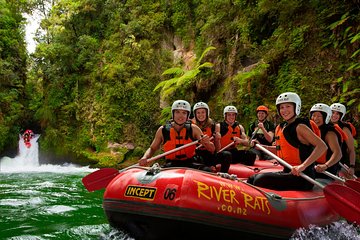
[(27, 136), (182, 203)]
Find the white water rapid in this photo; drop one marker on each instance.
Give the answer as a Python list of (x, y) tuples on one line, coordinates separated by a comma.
[(27, 160)]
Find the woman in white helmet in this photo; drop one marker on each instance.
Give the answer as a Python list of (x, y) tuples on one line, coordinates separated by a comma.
[(348, 149), (230, 131), (202, 119), (320, 113), (176, 133), (296, 143)]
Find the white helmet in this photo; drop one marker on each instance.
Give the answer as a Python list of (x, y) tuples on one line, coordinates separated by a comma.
[(201, 105), (289, 97), (338, 107), (180, 105), (230, 109), (321, 107)]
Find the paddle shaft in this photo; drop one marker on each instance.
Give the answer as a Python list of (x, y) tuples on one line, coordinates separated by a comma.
[(211, 138), (333, 176), (226, 147), (173, 151), (253, 135), (284, 163), (351, 183), (233, 142), (346, 168)]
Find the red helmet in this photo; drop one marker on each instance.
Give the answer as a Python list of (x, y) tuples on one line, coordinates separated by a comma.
[(262, 108)]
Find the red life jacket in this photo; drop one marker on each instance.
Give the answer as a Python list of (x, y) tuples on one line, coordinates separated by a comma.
[(228, 133), (208, 130), (352, 128), (344, 147), (288, 146), (343, 135), (315, 128), (348, 125), (173, 139), (325, 128)]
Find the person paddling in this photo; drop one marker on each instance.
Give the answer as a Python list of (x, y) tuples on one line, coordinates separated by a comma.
[(262, 130), (178, 132), (230, 131), (348, 149), (321, 113), (296, 144), (202, 119)]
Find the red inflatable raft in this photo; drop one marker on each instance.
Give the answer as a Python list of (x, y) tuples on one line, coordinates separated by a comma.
[(260, 166), (182, 203), (27, 136)]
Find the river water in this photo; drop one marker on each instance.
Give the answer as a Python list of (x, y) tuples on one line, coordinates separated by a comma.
[(49, 202)]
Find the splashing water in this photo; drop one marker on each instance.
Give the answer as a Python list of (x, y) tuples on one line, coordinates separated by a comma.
[(340, 230), (27, 160), (29, 155)]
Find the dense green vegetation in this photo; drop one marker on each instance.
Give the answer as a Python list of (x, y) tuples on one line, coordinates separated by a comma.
[(106, 71), (12, 72)]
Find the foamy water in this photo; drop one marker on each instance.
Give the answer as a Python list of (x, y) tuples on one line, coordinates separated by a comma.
[(338, 230), (27, 160)]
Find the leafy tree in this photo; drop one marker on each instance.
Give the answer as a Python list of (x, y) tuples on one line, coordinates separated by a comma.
[(12, 71)]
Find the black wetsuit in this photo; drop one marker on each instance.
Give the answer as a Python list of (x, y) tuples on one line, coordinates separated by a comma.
[(259, 136)]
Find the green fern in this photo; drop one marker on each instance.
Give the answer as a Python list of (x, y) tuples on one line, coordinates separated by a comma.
[(182, 78)]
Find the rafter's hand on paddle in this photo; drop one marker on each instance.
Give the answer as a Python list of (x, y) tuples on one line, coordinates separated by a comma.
[(143, 162), (205, 140), (321, 168), (253, 143), (238, 141), (296, 170)]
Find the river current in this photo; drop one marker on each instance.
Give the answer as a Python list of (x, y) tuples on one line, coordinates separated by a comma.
[(49, 202)]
